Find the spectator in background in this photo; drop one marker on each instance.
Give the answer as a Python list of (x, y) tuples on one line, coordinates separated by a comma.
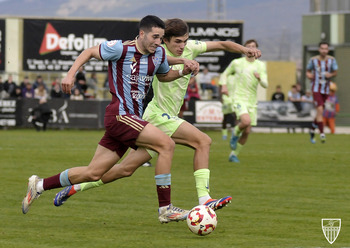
[(40, 92), (295, 97), (77, 95), (299, 89), (56, 91), (307, 97), (331, 108), (27, 91), (205, 82), (192, 90), (17, 94), (80, 80), (41, 114), (278, 95), (92, 84), (39, 81), (24, 82), (10, 86), (3, 93)]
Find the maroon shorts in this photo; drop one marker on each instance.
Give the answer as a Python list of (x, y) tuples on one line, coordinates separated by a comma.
[(122, 132), (319, 98)]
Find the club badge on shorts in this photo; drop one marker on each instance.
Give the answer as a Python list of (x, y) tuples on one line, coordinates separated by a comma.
[(331, 229)]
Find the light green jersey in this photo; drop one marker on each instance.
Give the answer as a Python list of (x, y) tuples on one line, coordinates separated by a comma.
[(169, 96), (246, 84)]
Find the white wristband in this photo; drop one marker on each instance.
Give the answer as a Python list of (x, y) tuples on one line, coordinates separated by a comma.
[(180, 73)]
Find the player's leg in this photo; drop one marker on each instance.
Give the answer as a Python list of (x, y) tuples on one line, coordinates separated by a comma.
[(224, 126), (245, 122), (153, 138), (319, 120), (102, 161), (188, 135), (241, 111), (125, 169)]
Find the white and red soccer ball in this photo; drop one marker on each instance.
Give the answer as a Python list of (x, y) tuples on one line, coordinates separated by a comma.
[(202, 220)]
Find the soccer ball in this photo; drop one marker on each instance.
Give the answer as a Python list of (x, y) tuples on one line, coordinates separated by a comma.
[(201, 220)]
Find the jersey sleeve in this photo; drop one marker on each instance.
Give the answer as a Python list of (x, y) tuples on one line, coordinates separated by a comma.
[(111, 50), (334, 65), (164, 67), (263, 75), (197, 47), (310, 65)]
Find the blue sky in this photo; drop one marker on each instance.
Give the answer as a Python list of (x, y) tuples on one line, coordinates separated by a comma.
[(276, 24)]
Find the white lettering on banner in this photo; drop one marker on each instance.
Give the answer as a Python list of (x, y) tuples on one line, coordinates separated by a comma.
[(210, 32), (71, 42), (8, 103)]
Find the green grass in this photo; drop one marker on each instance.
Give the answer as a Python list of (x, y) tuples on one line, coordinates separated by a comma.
[(281, 190)]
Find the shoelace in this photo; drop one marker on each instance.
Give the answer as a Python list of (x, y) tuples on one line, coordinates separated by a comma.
[(177, 209)]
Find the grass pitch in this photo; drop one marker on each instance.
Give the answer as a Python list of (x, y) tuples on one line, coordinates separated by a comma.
[(281, 190)]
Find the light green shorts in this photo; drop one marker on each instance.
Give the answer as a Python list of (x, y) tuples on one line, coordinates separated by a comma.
[(241, 108), (165, 122)]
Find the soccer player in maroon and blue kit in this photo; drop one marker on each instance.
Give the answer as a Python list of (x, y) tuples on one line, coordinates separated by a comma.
[(320, 70), (132, 66)]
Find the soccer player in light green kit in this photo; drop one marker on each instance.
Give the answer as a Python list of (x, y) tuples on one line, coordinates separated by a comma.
[(248, 74), (163, 111)]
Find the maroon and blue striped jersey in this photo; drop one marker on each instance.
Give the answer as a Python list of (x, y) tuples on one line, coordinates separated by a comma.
[(130, 75), (319, 68)]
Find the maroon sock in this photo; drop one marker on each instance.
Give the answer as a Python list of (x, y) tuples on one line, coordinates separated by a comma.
[(52, 182), (163, 192), (320, 126)]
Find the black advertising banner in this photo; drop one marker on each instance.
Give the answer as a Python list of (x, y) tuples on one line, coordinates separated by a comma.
[(216, 31), (53, 45), (2, 45)]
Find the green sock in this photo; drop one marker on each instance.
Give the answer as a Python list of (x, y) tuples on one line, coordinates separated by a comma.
[(238, 149), (224, 132), (202, 181), (90, 185), (237, 131)]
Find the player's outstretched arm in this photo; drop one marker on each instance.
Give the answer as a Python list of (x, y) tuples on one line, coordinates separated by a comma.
[(233, 48), (85, 56)]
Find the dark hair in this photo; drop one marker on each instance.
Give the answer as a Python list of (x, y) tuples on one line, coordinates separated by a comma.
[(151, 21), (323, 43), (175, 27), (251, 41)]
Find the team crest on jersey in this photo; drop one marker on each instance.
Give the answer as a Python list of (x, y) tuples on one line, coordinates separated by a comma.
[(156, 60)]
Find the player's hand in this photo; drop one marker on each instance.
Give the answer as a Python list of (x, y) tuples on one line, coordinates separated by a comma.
[(328, 75), (253, 52), (191, 66), (67, 84), (257, 75), (224, 90)]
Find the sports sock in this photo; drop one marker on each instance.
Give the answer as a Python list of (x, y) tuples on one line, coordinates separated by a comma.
[(57, 181), (224, 132), (237, 131), (88, 185), (163, 183), (320, 126), (201, 177), (238, 149)]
